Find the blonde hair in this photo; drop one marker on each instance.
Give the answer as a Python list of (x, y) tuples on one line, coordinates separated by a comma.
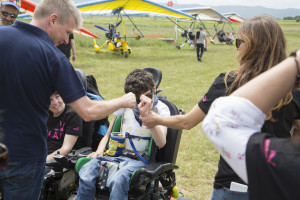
[(264, 47), (64, 9)]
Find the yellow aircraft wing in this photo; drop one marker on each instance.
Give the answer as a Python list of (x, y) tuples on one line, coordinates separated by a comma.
[(134, 5)]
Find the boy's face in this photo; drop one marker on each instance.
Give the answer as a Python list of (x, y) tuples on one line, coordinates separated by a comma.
[(149, 94)]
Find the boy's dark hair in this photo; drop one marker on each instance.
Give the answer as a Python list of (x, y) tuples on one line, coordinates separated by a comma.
[(138, 82)]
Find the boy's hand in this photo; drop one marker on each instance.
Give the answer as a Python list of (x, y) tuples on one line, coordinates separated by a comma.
[(94, 154), (145, 105), (129, 100)]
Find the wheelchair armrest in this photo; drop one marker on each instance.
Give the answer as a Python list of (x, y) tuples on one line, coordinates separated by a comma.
[(152, 171), (155, 169), (62, 160), (52, 163), (79, 152)]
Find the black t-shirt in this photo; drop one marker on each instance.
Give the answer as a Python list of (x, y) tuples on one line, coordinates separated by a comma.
[(280, 127), (66, 48), (67, 123), (273, 173)]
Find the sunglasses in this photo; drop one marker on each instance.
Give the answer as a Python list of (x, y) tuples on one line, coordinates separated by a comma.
[(238, 42), (11, 15), (149, 95), (3, 155)]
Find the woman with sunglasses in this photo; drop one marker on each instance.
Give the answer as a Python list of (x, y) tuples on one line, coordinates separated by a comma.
[(261, 45), (233, 124)]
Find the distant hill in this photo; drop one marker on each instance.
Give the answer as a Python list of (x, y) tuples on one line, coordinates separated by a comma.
[(243, 11), (248, 12)]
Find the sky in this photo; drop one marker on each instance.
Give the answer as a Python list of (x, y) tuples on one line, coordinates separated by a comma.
[(277, 4)]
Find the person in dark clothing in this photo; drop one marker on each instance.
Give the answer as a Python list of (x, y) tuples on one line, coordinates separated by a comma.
[(64, 127), (200, 43), (66, 48), (268, 164), (258, 53), (25, 92)]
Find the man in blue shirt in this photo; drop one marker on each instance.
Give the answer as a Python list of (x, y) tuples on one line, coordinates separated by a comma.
[(31, 69)]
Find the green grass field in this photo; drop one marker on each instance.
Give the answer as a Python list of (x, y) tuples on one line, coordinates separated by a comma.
[(185, 81)]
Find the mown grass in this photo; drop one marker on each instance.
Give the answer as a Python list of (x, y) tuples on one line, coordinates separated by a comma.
[(184, 82)]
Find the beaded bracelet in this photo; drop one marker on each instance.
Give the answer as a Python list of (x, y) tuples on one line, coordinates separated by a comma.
[(297, 65)]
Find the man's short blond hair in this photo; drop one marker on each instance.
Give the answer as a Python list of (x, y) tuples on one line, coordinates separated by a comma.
[(64, 9)]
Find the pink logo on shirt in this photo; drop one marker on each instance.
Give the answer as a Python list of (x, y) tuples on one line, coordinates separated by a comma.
[(57, 132), (76, 129), (204, 98), (272, 152)]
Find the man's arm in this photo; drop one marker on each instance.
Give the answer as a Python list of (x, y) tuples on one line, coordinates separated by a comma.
[(90, 110)]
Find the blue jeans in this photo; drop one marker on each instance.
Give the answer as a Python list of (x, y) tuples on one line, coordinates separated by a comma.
[(226, 194), (119, 183), (22, 180)]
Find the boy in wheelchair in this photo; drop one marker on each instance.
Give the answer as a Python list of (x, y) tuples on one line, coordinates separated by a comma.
[(137, 141)]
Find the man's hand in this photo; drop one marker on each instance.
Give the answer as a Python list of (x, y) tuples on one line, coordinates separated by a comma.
[(73, 58), (129, 100)]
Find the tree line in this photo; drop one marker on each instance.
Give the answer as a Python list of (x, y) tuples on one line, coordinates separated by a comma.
[(297, 18)]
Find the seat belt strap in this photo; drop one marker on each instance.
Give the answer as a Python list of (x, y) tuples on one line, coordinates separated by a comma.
[(133, 147)]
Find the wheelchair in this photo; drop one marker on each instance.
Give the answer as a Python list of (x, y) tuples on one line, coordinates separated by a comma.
[(60, 180), (156, 180)]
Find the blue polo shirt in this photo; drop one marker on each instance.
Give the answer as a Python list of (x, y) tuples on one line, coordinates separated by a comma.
[(31, 69)]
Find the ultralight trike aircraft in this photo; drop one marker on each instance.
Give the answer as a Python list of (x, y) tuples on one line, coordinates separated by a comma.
[(115, 42), (201, 14)]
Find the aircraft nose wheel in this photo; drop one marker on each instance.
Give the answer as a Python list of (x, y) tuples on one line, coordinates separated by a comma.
[(178, 47)]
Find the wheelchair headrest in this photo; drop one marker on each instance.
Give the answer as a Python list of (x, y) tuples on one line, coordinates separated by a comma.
[(82, 77), (156, 73)]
